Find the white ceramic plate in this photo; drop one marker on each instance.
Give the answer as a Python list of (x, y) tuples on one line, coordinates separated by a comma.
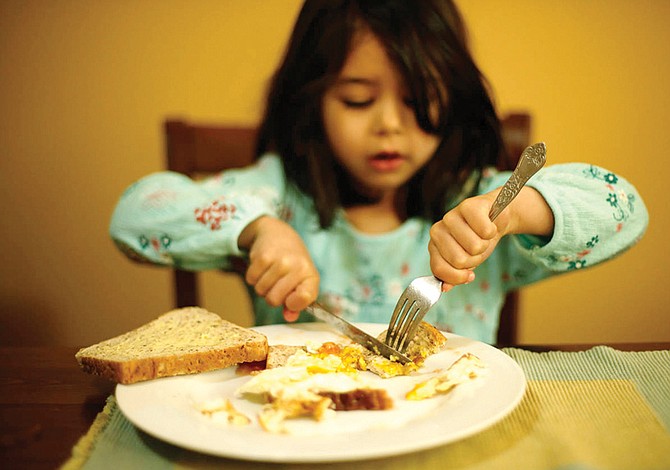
[(167, 408)]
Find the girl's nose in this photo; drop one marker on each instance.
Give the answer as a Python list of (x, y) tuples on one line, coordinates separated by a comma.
[(391, 116)]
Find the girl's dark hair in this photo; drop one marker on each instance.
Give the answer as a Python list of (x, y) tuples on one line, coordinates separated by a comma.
[(426, 40)]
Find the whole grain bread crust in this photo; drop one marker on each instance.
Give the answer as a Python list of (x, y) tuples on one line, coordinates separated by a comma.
[(137, 370), (253, 347)]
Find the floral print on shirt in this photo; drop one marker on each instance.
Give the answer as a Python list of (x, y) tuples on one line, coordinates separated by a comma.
[(623, 204), (169, 219), (215, 213)]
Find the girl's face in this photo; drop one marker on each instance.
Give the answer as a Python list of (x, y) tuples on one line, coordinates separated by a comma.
[(370, 124)]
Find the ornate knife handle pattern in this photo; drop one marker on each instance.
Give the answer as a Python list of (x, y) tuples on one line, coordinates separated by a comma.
[(531, 160)]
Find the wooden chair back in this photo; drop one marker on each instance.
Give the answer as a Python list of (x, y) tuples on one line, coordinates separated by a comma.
[(195, 149)]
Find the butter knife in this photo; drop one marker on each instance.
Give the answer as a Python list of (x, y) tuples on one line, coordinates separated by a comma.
[(356, 334)]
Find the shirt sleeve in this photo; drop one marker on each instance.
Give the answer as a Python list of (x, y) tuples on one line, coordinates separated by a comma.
[(170, 219), (597, 216)]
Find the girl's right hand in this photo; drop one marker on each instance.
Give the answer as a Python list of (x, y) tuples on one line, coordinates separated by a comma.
[(280, 267)]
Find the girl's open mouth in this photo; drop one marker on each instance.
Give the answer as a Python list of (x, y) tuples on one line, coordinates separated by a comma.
[(386, 161)]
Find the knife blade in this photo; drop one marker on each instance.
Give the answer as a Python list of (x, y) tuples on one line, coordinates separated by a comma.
[(356, 334)]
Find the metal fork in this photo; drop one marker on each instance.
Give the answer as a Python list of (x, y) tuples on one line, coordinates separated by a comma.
[(423, 292)]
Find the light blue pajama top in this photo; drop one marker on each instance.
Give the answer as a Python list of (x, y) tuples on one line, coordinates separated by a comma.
[(168, 219)]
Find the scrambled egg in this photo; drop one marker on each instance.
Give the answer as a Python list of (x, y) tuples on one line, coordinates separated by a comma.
[(304, 373), (467, 367), (226, 409), (293, 390), (312, 382)]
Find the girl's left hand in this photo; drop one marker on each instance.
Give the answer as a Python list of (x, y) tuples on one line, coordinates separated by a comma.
[(465, 236), (463, 239)]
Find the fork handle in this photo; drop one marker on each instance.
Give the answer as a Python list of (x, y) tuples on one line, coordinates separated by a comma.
[(531, 160)]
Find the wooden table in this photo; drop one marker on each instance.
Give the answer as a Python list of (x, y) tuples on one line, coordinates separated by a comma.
[(47, 402)]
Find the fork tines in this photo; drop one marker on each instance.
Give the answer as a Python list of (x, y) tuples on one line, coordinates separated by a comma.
[(404, 323), (419, 296)]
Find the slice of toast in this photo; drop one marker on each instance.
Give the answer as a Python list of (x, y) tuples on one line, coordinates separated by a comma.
[(183, 341)]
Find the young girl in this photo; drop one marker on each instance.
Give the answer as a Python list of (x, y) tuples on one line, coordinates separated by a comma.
[(375, 166)]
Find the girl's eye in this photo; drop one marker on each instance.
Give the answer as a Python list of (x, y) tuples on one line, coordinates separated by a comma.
[(357, 104)]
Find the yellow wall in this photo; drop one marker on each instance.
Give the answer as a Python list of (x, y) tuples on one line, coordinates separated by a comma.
[(85, 85)]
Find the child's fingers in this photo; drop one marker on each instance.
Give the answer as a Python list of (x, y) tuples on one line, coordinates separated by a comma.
[(304, 294), (468, 241), (285, 284), (447, 272), (290, 315), (258, 265), (452, 277), (478, 221), (450, 250), (277, 293), (445, 245), (264, 283), (282, 274), (446, 287), (464, 231)]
